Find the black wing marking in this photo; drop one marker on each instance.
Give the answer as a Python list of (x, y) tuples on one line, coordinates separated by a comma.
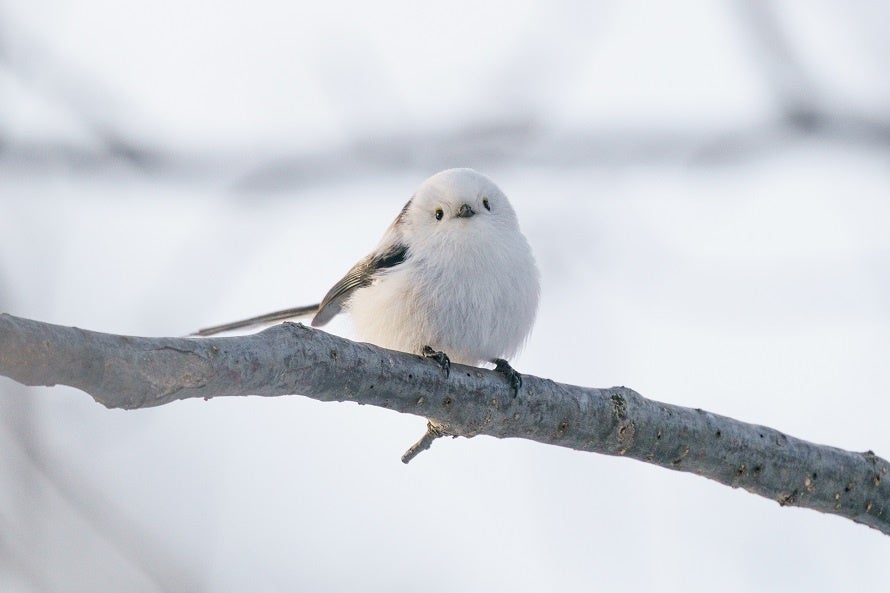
[(391, 258), (361, 274)]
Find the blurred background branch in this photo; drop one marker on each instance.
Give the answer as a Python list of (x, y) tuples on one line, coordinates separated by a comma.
[(802, 106)]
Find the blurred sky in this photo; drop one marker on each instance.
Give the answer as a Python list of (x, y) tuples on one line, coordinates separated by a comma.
[(706, 187)]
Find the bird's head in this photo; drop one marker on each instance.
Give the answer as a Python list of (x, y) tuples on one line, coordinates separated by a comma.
[(457, 206)]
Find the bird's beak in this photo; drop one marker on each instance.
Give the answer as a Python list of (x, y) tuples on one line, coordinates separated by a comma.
[(465, 211)]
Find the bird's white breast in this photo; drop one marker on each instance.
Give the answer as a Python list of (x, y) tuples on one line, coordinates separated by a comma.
[(474, 300)]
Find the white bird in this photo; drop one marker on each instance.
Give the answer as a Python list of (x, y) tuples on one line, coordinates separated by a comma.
[(453, 278)]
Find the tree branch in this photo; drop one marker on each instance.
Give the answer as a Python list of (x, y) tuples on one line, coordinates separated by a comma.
[(132, 372)]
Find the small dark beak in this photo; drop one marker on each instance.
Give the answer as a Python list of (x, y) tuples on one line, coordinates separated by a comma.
[(465, 211)]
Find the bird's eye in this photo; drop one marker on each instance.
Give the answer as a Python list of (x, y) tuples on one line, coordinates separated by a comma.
[(439, 213), (485, 203)]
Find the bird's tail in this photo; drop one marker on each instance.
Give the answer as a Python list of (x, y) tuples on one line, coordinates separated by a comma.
[(292, 313)]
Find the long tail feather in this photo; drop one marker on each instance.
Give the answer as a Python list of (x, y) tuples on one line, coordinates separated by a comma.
[(259, 320)]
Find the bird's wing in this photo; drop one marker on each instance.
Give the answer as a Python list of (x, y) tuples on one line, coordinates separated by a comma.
[(362, 274)]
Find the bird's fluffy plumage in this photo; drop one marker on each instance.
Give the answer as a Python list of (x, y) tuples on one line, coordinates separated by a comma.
[(462, 281)]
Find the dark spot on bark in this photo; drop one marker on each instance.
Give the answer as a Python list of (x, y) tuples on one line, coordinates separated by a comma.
[(447, 402), (877, 480), (742, 469), (787, 499), (371, 387), (677, 461), (563, 426), (761, 435), (815, 475), (333, 354), (619, 406), (757, 469), (410, 377), (719, 434), (848, 487), (658, 436)]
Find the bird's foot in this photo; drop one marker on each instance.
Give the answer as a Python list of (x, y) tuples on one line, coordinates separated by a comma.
[(514, 378), (440, 357)]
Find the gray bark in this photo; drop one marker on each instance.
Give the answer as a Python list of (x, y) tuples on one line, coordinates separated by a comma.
[(133, 372)]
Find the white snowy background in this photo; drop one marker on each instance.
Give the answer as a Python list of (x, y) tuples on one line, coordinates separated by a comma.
[(706, 186)]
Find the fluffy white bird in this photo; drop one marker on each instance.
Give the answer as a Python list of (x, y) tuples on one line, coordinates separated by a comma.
[(453, 278)]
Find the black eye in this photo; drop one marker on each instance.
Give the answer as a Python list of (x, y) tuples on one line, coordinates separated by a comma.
[(485, 203), (439, 213)]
